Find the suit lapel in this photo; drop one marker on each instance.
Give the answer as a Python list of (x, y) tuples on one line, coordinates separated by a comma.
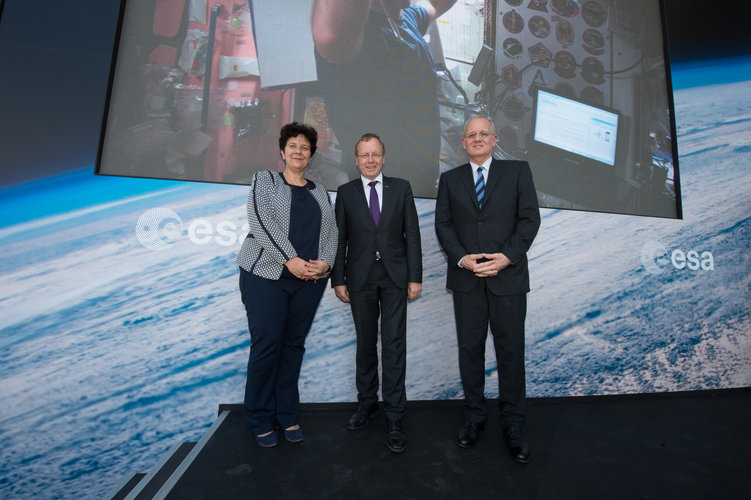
[(388, 201), (467, 179), (493, 176)]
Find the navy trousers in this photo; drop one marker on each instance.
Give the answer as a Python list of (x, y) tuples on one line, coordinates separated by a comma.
[(381, 297), (280, 313)]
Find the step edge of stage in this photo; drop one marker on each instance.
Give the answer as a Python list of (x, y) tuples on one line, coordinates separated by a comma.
[(533, 400), (123, 488), (188, 460)]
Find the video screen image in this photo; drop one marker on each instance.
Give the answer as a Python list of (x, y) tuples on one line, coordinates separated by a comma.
[(579, 89), (581, 129)]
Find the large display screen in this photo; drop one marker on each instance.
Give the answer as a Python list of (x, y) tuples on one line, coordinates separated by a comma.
[(200, 89)]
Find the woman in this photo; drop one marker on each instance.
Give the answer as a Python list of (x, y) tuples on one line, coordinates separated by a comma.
[(284, 265)]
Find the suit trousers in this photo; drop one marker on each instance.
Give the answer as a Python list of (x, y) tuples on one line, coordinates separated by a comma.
[(280, 313), (505, 314), (381, 297)]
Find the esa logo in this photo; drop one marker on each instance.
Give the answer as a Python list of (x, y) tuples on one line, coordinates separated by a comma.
[(655, 258), (160, 228)]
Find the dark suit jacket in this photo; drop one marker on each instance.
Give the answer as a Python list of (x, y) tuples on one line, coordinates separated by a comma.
[(507, 223), (397, 237)]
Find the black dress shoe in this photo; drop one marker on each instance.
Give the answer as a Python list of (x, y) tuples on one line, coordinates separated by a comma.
[(396, 440), (362, 417), (469, 433), (516, 444)]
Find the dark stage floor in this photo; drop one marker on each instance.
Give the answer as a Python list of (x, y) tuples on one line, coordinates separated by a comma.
[(664, 446)]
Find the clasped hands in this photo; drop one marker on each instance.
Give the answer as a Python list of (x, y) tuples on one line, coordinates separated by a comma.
[(414, 290), (307, 269), (484, 265)]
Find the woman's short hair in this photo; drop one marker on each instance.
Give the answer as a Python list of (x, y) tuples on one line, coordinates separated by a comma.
[(293, 130)]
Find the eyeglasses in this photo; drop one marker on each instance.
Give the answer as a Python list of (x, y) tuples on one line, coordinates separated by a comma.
[(483, 135), (375, 156)]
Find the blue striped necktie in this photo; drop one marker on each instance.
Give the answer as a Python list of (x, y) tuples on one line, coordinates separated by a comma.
[(480, 186)]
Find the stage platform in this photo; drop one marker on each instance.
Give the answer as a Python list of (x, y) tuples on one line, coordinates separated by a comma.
[(694, 445)]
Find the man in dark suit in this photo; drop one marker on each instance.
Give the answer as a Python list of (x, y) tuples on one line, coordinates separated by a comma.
[(378, 269), (486, 222)]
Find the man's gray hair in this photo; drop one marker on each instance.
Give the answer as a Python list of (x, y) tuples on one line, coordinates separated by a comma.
[(492, 127)]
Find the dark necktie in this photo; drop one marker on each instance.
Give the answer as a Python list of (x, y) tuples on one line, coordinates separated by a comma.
[(375, 210), (480, 186)]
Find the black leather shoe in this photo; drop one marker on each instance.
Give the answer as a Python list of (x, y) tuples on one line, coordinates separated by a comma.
[(362, 417), (469, 433), (396, 440), (516, 444)]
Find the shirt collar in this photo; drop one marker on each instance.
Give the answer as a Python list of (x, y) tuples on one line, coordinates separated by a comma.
[(365, 180), (485, 165)]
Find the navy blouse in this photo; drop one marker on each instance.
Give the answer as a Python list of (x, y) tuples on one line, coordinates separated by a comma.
[(304, 224)]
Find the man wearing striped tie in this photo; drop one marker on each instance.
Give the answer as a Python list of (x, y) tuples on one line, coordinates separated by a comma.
[(486, 218)]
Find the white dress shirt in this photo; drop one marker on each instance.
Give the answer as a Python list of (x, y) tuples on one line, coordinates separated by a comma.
[(486, 169)]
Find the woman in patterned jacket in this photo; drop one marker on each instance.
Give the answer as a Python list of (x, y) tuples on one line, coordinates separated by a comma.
[(284, 266)]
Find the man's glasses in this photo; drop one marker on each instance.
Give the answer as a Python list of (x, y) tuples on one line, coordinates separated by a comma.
[(375, 156), (482, 135)]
